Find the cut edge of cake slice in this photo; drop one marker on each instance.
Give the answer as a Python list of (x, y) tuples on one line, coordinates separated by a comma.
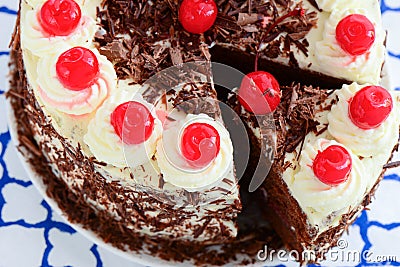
[(311, 211)]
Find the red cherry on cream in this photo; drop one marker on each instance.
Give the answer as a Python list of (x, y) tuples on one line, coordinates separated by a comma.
[(132, 122), (370, 106), (333, 165), (77, 68), (59, 17), (197, 16), (259, 92), (355, 34), (200, 144)]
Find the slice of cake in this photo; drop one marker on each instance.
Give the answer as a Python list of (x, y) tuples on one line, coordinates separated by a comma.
[(331, 151), (331, 154), (130, 139)]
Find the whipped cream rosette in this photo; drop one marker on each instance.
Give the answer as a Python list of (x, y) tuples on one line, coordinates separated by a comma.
[(125, 130), (56, 25), (363, 141), (352, 45), (317, 196), (195, 153), (75, 81)]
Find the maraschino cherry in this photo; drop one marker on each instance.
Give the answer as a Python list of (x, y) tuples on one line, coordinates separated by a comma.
[(259, 92), (77, 68), (197, 16), (132, 122), (59, 17), (370, 106), (200, 144), (355, 34), (333, 165)]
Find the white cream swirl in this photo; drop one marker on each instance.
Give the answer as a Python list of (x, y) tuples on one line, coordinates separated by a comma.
[(106, 145), (333, 60), (319, 200), (362, 142), (41, 44), (53, 93), (169, 157)]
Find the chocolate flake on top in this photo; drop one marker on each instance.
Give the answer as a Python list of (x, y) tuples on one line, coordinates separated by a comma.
[(256, 19), (296, 114), (157, 40)]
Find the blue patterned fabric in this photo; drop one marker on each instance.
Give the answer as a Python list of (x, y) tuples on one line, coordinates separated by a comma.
[(31, 234)]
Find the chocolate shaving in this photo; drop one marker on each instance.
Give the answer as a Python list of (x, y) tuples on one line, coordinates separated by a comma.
[(250, 28), (31, 146), (293, 61), (271, 37), (115, 51), (282, 2), (176, 56), (244, 19), (200, 230), (390, 165), (227, 23), (300, 46), (205, 51)]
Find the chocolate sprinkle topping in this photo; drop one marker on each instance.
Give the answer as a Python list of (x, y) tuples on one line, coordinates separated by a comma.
[(157, 40)]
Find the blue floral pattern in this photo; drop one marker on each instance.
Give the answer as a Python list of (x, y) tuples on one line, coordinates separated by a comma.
[(31, 234)]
